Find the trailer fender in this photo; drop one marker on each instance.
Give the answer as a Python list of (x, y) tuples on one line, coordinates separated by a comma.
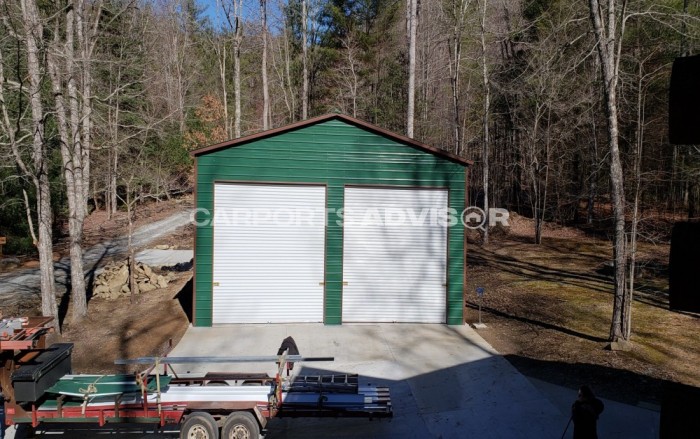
[(262, 420)]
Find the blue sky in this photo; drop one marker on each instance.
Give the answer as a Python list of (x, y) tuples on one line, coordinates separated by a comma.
[(251, 9), (211, 10)]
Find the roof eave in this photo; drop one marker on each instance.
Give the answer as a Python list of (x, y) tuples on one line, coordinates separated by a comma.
[(326, 117)]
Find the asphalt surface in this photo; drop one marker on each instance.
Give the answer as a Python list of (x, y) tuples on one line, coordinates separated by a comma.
[(23, 284)]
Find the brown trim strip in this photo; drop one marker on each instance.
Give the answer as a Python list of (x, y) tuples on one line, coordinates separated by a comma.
[(350, 120)]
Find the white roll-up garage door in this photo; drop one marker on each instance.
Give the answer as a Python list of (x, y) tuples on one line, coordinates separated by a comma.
[(269, 245), (394, 255)]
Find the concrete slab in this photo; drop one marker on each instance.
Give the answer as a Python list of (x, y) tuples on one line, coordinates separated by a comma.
[(446, 382), (164, 258)]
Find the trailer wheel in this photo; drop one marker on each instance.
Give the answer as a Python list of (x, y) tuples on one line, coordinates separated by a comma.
[(240, 425), (199, 425)]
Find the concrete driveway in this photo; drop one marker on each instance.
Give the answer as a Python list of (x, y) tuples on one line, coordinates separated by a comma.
[(446, 382)]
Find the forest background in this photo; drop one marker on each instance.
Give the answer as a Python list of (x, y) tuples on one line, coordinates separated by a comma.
[(561, 104)]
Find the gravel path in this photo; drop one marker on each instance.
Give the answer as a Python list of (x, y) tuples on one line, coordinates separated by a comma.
[(21, 285)]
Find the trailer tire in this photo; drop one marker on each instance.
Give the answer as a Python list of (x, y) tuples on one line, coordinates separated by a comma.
[(199, 425), (240, 425)]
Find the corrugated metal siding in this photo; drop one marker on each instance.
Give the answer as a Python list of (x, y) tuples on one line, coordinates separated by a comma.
[(268, 253), (395, 255), (336, 154)]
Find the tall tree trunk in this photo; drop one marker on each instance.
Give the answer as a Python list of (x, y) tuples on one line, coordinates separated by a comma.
[(237, 40), (221, 59), (456, 54), (74, 126), (237, 90), (284, 72), (639, 143), (350, 74), (535, 168), (305, 60), (685, 47), (75, 188), (545, 185), (69, 141), (412, 6), (265, 85), (133, 287), (608, 43), (33, 33), (485, 121), (454, 42), (113, 173), (593, 175)]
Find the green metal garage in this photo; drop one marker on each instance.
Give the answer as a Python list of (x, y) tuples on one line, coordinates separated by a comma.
[(329, 220)]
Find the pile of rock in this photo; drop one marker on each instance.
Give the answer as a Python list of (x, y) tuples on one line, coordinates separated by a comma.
[(113, 282)]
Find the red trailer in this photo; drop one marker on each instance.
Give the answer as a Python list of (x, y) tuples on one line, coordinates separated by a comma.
[(39, 389)]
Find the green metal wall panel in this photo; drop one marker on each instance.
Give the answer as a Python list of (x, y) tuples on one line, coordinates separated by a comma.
[(336, 154)]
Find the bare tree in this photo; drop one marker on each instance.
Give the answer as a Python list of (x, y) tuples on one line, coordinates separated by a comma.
[(305, 59), (486, 119), (134, 180), (172, 36), (282, 60), (116, 90), (349, 74), (265, 84), (218, 44), (411, 27), (605, 16), (609, 19), (233, 10), (593, 147), (456, 14), (38, 170), (69, 66)]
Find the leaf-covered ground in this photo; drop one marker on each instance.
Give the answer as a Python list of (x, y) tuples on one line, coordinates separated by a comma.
[(548, 309)]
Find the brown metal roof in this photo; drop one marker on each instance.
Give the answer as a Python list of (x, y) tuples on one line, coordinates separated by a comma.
[(326, 117)]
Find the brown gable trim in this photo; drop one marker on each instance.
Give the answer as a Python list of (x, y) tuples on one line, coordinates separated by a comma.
[(326, 117)]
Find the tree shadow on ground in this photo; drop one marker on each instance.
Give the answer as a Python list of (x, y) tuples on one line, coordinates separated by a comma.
[(90, 274), (544, 325), (533, 271), (679, 403), (599, 282), (186, 297)]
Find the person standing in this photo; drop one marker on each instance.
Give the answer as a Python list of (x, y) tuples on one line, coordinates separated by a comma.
[(585, 412)]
